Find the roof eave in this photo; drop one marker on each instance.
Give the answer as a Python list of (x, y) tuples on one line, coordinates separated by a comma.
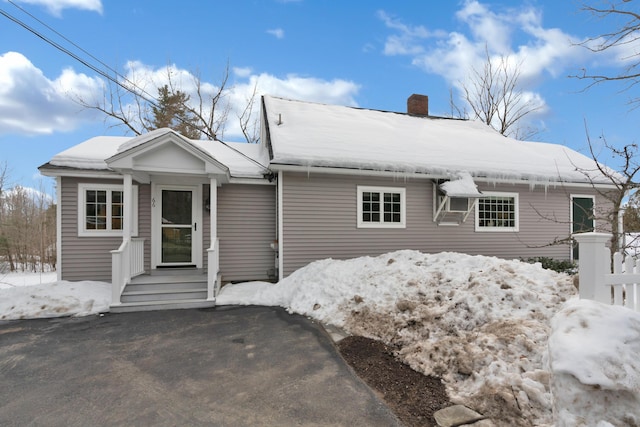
[(54, 171), (425, 175)]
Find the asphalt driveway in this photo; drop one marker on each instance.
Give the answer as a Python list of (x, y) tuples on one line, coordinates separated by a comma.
[(238, 366)]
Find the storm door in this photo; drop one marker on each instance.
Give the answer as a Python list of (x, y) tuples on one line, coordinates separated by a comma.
[(178, 226)]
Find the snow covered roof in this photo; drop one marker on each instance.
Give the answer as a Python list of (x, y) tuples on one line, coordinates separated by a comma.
[(93, 153), (461, 186), (90, 154), (319, 135)]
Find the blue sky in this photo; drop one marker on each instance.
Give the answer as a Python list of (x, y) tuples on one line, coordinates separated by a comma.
[(371, 54)]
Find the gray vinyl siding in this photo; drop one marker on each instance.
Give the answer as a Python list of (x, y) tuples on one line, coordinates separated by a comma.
[(83, 258), (246, 229), (144, 222), (320, 221)]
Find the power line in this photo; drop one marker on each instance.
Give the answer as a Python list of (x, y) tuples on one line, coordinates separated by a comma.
[(146, 97), (138, 92), (71, 42)]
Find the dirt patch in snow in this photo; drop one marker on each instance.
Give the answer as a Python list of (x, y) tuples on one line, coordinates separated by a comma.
[(412, 396)]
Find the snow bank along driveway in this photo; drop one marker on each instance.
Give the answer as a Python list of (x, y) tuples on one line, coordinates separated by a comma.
[(480, 323)]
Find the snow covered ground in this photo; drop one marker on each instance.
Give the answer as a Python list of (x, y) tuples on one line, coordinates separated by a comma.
[(482, 324), (39, 295)]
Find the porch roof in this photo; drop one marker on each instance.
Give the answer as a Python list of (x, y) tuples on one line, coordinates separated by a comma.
[(242, 159)]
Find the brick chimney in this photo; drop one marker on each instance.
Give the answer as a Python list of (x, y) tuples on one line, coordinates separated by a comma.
[(418, 105)]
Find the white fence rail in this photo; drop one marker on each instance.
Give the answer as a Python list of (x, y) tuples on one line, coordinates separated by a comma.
[(598, 281)]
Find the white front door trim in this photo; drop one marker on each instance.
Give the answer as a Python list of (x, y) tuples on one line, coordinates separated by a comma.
[(156, 222)]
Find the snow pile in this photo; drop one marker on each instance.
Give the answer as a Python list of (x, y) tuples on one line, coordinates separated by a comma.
[(593, 355), (461, 185), (25, 278), (479, 323), (55, 299)]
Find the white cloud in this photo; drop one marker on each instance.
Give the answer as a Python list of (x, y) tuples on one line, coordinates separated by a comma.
[(242, 71), (31, 103), (55, 7), (239, 92), (517, 33), (408, 39), (276, 32), (336, 91)]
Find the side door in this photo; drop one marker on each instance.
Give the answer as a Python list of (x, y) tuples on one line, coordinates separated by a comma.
[(582, 219)]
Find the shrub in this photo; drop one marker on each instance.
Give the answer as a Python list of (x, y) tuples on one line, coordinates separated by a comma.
[(559, 265)]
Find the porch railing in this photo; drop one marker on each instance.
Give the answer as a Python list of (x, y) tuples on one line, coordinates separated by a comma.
[(126, 262), (213, 267), (598, 281)]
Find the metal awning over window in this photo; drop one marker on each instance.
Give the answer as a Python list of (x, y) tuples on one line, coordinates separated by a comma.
[(455, 199)]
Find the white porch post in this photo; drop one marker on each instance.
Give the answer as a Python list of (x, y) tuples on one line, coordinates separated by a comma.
[(127, 224), (212, 253), (593, 264), (127, 217), (120, 260)]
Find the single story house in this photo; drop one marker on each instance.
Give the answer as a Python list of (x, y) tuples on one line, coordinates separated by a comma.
[(167, 219)]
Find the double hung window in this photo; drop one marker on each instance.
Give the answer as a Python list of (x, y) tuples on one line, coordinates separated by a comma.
[(101, 209), (497, 212)]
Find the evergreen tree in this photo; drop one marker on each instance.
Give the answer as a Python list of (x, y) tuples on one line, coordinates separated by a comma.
[(171, 111)]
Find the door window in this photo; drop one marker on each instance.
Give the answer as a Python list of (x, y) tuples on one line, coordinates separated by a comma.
[(582, 219), (177, 220)]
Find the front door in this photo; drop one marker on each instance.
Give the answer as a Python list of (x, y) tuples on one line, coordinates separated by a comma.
[(178, 227)]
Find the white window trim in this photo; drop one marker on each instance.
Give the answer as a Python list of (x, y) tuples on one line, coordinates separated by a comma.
[(82, 191), (580, 196), (403, 205), (498, 229)]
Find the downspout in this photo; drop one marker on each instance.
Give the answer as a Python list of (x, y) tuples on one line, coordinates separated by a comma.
[(280, 215)]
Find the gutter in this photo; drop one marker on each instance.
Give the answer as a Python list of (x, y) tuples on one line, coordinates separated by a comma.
[(417, 175)]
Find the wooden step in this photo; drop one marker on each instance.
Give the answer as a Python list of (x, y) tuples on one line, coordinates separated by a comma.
[(146, 293), (161, 305)]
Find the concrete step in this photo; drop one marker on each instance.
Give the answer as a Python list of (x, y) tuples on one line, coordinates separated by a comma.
[(161, 305)]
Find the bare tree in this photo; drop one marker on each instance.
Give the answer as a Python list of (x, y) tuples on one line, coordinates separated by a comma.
[(28, 230), (624, 181), (127, 104), (494, 96), (625, 35)]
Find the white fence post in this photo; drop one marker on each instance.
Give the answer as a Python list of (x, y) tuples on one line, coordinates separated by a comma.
[(594, 263)]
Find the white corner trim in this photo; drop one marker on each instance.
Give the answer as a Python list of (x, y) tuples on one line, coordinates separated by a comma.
[(280, 224), (59, 228)]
